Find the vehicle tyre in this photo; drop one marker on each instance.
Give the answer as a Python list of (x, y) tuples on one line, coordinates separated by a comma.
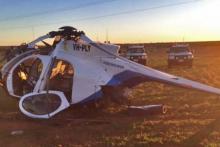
[(144, 62)]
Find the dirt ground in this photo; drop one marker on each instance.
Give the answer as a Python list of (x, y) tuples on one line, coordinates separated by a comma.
[(193, 118)]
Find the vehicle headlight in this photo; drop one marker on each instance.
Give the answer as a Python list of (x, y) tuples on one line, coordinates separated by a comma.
[(190, 56)]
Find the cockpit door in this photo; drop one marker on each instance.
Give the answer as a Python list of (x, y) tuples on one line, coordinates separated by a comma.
[(43, 105), (25, 74), (6, 68)]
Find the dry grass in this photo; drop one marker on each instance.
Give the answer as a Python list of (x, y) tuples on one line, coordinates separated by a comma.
[(192, 120)]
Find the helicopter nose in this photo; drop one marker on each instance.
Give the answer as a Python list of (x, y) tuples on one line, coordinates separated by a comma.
[(43, 105)]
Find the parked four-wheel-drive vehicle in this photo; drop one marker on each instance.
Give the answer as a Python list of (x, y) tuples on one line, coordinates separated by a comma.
[(180, 54), (137, 54)]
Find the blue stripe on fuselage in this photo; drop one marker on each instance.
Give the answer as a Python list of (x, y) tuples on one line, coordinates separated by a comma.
[(124, 79), (127, 79)]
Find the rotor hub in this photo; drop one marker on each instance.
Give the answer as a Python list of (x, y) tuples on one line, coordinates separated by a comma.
[(66, 32)]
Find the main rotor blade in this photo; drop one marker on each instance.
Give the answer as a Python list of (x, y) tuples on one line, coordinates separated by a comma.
[(47, 44)]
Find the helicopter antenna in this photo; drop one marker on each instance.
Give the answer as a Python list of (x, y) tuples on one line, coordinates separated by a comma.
[(33, 32), (97, 37), (106, 36)]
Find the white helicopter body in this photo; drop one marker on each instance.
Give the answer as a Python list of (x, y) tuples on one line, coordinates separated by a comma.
[(76, 71)]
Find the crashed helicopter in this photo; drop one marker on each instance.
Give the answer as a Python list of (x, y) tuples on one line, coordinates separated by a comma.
[(76, 70)]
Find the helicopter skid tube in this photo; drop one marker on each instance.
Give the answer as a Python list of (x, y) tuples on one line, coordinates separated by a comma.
[(147, 110)]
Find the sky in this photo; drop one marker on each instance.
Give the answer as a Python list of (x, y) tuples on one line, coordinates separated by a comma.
[(119, 21)]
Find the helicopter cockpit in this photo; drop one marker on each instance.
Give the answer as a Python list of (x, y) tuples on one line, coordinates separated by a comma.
[(26, 75)]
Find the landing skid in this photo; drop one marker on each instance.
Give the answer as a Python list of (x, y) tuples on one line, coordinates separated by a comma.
[(147, 110)]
